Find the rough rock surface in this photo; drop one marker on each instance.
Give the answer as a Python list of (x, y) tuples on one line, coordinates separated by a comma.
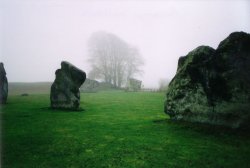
[(65, 92), (213, 86), (3, 85)]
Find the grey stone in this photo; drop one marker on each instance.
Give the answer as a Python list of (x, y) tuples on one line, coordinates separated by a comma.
[(90, 86), (3, 85), (133, 85), (65, 92), (213, 86)]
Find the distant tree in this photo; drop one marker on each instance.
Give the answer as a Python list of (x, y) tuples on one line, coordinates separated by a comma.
[(112, 59)]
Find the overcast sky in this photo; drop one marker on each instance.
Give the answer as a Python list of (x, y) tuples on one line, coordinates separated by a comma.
[(36, 35)]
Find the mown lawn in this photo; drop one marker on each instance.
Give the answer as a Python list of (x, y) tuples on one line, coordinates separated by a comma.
[(116, 129)]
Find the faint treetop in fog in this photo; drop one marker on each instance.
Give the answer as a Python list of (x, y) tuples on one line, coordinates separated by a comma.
[(112, 59)]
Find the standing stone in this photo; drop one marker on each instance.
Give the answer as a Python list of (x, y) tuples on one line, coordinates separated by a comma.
[(133, 85), (65, 92), (213, 86), (3, 85), (90, 85)]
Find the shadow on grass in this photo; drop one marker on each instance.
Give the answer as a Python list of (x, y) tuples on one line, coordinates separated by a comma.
[(202, 128)]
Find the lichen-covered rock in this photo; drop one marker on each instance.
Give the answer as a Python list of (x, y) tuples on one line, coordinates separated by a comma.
[(213, 86), (65, 92), (3, 85)]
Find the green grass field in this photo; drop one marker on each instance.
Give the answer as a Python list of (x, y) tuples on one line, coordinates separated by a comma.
[(116, 129)]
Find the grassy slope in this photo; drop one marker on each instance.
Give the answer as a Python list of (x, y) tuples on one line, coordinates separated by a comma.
[(117, 129)]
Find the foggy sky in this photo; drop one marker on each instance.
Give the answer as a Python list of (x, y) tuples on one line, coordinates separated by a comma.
[(36, 35)]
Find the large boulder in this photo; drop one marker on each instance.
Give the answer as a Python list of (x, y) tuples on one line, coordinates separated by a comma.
[(65, 92), (3, 85), (213, 86)]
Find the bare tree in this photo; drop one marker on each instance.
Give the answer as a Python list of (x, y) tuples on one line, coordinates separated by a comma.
[(112, 59), (134, 62)]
